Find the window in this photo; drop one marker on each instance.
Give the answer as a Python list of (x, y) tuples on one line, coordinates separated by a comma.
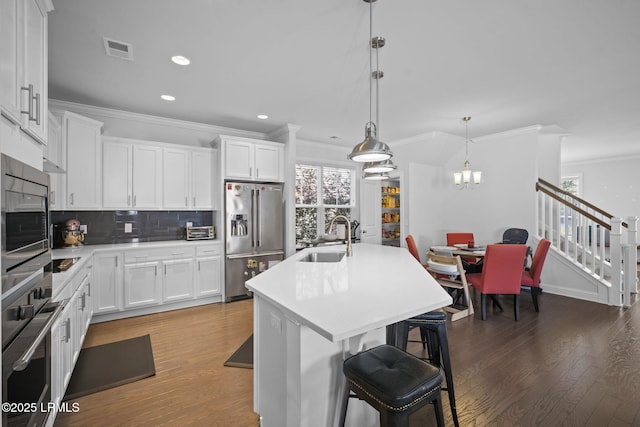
[(322, 192), (570, 184)]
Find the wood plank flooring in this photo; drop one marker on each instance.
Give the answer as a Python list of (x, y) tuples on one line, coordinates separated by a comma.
[(574, 363)]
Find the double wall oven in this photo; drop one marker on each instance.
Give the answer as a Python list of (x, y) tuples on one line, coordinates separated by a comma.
[(27, 310)]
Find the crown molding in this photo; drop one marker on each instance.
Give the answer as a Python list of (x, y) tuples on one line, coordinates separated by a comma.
[(149, 119), (618, 158)]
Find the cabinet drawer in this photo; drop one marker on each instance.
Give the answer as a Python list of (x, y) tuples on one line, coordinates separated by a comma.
[(208, 250), (157, 254)]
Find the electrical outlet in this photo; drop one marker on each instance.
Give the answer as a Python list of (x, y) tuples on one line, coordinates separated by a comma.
[(189, 224), (83, 228), (128, 227)]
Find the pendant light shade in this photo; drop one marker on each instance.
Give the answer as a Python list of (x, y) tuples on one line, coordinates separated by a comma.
[(370, 150), (376, 176), (383, 166)]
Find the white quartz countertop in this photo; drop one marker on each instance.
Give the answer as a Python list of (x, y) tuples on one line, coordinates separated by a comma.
[(376, 287), (88, 250)]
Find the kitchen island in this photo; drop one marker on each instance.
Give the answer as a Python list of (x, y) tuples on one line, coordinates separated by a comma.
[(309, 316)]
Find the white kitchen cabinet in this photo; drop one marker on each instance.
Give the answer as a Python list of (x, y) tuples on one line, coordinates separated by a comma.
[(142, 284), (188, 179), (252, 159), (81, 143), (69, 331), (177, 282), (61, 354), (131, 175), (208, 271), (175, 182), (203, 181), (23, 64), (107, 282)]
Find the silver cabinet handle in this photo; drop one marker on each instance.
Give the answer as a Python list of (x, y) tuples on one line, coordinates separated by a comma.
[(37, 119), (71, 199), (250, 171), (52, 197), (257, 172), (29, 90), (128, 199), (67, 330), (134, 200), (156, 270), (194, 201), (186, 201)]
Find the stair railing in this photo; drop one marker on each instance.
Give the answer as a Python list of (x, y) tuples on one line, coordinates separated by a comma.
[(591, 238)]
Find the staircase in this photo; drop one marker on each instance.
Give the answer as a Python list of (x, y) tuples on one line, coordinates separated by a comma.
[(589, 242)]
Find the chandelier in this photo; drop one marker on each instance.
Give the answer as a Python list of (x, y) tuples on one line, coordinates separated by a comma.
[(373, 152), (464, 178)]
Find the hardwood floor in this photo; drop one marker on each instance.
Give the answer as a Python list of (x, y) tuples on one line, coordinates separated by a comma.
[(574, 363)]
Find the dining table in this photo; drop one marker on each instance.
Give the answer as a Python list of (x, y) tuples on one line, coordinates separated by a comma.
[(463, 250)]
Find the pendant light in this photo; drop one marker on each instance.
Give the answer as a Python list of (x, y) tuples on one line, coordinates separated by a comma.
[(383, 166), (372, 149), (376, 176), (464, 177)]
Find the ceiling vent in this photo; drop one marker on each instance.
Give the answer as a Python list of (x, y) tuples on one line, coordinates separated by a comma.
[(118, 49)]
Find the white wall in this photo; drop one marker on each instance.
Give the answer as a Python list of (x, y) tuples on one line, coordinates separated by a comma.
[(610, 184)]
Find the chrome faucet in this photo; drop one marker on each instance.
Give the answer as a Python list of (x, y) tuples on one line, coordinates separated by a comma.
[(349, 251)]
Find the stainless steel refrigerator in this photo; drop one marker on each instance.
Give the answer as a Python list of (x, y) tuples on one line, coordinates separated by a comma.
[(254, 233)]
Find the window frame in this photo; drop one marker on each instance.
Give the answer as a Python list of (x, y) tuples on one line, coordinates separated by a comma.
[(321, 208)]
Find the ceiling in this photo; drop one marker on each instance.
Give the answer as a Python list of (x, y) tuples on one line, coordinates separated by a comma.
[(508, 64)]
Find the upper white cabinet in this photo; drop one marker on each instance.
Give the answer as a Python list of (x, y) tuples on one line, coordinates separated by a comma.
[(188, 180), (252, 160), (23, 64), (81, 143), (131, 175), (175, 188)]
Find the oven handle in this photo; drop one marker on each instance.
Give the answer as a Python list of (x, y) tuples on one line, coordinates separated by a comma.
[(21, 364)]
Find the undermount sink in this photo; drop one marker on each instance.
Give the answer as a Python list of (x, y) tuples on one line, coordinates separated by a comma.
[(322, 257)]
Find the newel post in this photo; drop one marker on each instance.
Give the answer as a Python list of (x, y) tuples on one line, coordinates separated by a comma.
[(615, 247), (632, 262)]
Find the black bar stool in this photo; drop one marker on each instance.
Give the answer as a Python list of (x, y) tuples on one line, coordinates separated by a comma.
[(433, 332), (394, 382)]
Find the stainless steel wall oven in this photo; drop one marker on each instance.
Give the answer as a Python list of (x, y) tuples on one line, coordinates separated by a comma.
[(27, 311)]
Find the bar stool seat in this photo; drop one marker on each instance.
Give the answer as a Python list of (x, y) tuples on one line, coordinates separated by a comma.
[(394, 382)]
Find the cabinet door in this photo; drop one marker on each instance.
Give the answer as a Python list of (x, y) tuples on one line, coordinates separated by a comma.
[(175, 188), (10, 65), (202, 180), (208, 276), (117, 160), (54, 154), (178, 280), (142, 284), (238, 159), (147, 177), (35, 69), (268, 163), (82, 138), (370, 211), (107, 283)]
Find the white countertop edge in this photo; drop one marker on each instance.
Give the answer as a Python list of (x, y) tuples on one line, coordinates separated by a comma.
[(87, 250), (346, 333)]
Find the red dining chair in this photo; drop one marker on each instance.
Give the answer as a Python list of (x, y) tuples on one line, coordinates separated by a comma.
[(501, 274), (457, 238), (413, 248), (531, 278)]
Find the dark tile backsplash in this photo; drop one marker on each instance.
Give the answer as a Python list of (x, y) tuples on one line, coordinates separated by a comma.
[(105, 227)]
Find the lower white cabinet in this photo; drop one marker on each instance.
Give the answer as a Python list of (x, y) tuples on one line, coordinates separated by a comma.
[(69, 331), (142, 284), (107, 282), (208, 271), (177, 280)]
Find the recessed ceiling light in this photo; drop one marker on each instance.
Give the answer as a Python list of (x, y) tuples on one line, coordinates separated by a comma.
[(263, 116), (168, 97), (181, 60)]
